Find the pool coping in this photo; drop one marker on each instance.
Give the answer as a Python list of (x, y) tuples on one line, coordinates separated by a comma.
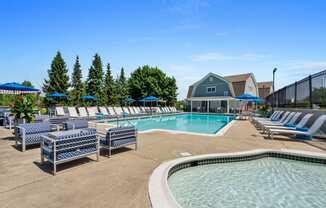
[(160, 195), (220, 132)]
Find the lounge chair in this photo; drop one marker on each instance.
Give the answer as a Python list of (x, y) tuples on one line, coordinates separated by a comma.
[(72, 112), (300, 133), (138, 111), (112, 112), (126, 111), (274, 117), (92, 112), (119, 137), (104, 112), (59, 111), (290, 120), (301, 124), (284, 120), (31, 133), (118, 111), (132, 111), (284, 116), (82, 112)]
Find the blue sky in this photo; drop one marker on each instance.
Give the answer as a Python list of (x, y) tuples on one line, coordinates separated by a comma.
[(185, 38)]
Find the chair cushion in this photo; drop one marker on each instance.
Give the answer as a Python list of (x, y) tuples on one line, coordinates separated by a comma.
[(289, 125), (33, 128), (303, 137), (77, 124), (302, 129)]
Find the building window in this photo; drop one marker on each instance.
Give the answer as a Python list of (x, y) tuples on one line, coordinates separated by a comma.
[(210, 79), (226, 93), (211, 89)]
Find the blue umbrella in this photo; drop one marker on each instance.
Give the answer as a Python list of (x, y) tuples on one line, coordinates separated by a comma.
[(88, 97), (150, 98), (247, 97), (16, 88), (56, 95)]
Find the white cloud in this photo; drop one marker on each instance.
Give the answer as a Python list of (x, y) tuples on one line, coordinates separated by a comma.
[(214, 56)]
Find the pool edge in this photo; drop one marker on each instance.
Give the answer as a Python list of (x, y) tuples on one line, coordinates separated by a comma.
[(159, 193)]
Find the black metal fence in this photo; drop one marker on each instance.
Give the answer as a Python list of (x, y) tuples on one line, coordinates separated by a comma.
[(309, 92)]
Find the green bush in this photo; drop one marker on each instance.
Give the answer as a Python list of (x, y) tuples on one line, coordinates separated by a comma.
[(23, 108)]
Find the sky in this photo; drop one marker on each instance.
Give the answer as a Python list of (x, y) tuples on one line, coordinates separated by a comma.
[(185, 38)]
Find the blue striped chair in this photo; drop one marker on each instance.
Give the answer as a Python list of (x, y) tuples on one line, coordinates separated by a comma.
[(119, 137), (31, 133)]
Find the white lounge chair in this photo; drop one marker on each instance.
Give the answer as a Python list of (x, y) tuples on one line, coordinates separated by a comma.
[(118, 111), (92, 111), (274, 117), (59, 111), (306, 134), (82, 112), (112, 112), (73, 112), (290, 120), (104, 111), (286, 114), (126, 110), (301, 123)]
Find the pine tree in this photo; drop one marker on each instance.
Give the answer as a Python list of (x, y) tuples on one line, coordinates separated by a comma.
[(76, 83), (58, 76), (122, 89), (109, 87), (95, 80)]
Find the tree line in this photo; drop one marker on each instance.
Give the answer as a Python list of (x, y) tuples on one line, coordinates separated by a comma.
[(144, 81)]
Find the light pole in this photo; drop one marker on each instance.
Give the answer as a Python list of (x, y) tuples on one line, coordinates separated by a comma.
[(273, 101)]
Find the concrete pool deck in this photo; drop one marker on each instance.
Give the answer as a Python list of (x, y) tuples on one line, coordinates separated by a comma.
[(119, 181)]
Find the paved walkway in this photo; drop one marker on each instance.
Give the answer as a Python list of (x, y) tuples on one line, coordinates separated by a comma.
[(120, 181)]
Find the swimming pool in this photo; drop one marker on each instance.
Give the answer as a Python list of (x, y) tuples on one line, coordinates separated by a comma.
[(265, 182), (188, 122)]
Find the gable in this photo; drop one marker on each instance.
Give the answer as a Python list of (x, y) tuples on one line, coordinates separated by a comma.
[(203, 86)]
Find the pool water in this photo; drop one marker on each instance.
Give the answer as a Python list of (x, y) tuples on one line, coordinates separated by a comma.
[(267, 182), (190, 122)]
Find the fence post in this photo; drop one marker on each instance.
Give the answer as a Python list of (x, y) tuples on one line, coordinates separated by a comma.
[(295, 94), (310, 91)]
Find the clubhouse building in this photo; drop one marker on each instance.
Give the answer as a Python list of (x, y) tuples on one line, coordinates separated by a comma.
[(216, 94)]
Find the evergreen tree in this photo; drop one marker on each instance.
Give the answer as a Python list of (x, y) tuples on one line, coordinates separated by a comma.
[(146, 81), (76, 83), (122, 89), (110, 91), (58, 76), (95, 80), (27, 83)]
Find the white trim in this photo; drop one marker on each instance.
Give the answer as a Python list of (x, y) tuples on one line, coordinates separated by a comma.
[(219, 133), (160, 194), (211, 88), (210, 98)]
